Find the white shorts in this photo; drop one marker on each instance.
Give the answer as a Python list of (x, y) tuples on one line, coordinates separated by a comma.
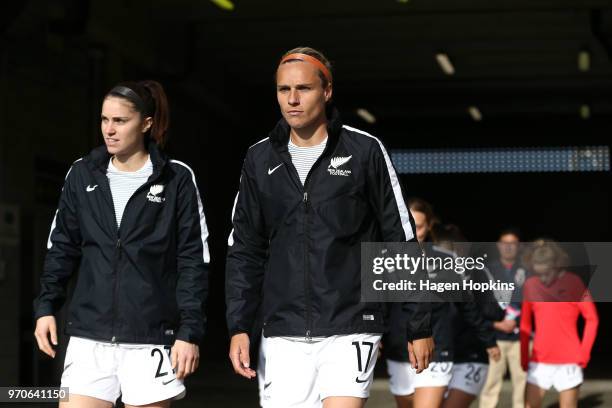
[(140, 373), (438, 374), (302, 374), (469, 377), (401, 378), (561, 376), (261, 369)]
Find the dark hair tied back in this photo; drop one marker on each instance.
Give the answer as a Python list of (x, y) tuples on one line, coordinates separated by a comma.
[(149, 99)]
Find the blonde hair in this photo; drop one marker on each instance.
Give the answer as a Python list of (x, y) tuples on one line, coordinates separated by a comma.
[(545, 252), (315, 54)]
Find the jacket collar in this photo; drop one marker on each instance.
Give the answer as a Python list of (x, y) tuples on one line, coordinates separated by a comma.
[(279, 136), (99, 157)]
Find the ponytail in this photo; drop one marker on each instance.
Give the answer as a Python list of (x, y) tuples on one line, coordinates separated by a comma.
[(161, 118)]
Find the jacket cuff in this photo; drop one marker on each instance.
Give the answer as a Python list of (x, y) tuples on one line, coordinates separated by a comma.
[(423, 334), (187, 335), (235, 331), (491, 343), (43, 309)]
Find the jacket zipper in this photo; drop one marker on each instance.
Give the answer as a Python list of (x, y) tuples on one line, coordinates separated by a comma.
[(306, 202), (119, 247), (307, 271), (104, 179), (116, 288)]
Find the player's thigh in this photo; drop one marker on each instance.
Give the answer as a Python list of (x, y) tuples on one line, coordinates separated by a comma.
[(344, 402), (569, 398), (533, 396), (83, 401), (404, 401), (431, 384), (458, 399), (160, 404), (429, 397)]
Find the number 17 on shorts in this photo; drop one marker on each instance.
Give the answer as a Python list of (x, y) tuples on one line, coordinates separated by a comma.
[(346, 365)]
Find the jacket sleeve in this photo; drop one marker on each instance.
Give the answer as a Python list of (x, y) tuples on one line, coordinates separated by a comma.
[(193, 258), (488, 305), (64, 252), (246, 256), (525, 333), (483, 328), (591, 322), (388, 200), (526, 325)]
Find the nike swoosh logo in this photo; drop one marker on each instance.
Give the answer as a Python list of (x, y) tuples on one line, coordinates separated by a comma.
[(168, 382), (358, 381), (274, 169), (68, 365), (90, 189), (267, 385)]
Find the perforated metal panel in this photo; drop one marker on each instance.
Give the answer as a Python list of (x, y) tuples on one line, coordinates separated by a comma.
[(503, 160)]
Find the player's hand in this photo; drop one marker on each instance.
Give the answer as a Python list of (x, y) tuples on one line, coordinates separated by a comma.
[(494, 353), (239, 355), (506, 325), (185, 358), (420, 353), (46, 326)]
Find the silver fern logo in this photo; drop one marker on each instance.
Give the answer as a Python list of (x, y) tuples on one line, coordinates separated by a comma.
[(336, 162), (154, 192)]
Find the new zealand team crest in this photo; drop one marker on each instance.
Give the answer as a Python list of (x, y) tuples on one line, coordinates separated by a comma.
[(154, 192), (335, 163)]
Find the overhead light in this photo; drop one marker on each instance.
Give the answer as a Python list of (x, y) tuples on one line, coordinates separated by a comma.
[(403, 1), (445, 63), (366, 115), (475, 113), (584, 61), (224, 4), (585, 112)]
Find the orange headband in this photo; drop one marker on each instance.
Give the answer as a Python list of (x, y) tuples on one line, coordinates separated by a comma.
[(312, 60)]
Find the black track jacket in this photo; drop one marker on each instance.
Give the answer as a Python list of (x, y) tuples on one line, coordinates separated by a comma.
[(295, 249), (443, 316), (144, 282), (469, 346)]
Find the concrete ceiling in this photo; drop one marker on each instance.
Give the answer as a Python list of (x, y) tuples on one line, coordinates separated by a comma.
[(512, 58)]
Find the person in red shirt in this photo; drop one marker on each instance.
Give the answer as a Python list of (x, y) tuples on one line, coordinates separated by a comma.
[(554, 299)]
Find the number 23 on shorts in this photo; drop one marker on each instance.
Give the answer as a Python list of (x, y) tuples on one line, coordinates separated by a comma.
[(162, 364)]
